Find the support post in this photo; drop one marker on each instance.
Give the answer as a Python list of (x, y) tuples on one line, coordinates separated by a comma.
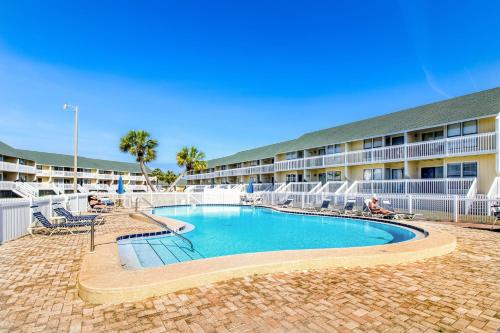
[(497, 137), (455, 208)]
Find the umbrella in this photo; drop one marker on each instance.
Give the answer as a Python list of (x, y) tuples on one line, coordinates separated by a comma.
[(250, 187), (121, 188)]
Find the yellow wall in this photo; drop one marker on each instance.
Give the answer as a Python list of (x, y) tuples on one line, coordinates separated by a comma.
[(486, 125)]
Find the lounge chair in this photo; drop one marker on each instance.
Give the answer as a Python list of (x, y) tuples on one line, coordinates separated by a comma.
[(63, 212), (286, 204), (323, 207), (349, 208), (369, 213), (399, 215), (60, 227)]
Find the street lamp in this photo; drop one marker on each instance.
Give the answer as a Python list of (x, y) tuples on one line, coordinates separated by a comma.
[(75, 154)]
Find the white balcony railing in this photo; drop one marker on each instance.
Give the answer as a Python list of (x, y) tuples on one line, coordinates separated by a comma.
[(14, 167), (336, 187), (445, 186), (301, 187), (253, 170)]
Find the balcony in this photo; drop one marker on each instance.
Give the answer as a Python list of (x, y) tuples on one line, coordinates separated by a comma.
[(14, 167), (253, 170), (444, 186), (465, 145)]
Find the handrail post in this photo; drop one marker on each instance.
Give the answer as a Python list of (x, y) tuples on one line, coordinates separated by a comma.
[(92, 232)]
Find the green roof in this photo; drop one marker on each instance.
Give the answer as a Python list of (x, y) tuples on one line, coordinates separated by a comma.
[(476, 105), (7, 150), (63, 160)]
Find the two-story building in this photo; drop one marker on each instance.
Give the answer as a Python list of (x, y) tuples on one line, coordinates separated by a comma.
[(448, 147)]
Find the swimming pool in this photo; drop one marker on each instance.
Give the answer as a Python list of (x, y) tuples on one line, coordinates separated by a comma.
[(226, 230)]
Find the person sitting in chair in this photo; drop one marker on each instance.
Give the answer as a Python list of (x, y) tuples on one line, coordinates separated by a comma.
[(376, 209), (95, 203)]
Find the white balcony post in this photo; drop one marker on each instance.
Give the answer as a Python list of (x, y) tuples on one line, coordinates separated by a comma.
[(497, 155), (455, 208), (346, 170), (410, 204), (406, 171)]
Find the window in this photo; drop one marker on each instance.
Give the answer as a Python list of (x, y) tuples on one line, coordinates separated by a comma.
[(372, 174), (372, 143), (377, 142), (431, 172), (469, 127), (398, 140), (429, 136), (397, 173), (454, 130), (290, 178), (291, 155), (469, 169), (465, 128), (321, 152), (334, 149), (454, 170), (462, 170), (333, 176)]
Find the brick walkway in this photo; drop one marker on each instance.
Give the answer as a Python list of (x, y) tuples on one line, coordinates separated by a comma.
[(457, 292)]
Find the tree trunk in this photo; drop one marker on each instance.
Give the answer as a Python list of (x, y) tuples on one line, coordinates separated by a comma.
[(170, 188), (143, 169)]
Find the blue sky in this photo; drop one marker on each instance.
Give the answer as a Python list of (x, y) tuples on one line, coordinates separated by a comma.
[(230, 75)]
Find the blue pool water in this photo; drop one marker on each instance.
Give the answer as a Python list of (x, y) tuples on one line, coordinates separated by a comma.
[(226, 230)]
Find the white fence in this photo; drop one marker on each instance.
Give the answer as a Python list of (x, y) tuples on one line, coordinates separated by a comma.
[(16, 214), (436, 208)]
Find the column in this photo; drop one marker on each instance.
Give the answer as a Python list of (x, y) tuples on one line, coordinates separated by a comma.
[(497, 132), (406, 170), (346, 168)]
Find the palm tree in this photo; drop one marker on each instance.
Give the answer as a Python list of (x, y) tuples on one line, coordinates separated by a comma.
[(140, 145), (191, 159)]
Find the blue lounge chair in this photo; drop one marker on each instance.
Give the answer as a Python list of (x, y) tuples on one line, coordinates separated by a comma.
[(63, 212), (57, 228), (287, 203)]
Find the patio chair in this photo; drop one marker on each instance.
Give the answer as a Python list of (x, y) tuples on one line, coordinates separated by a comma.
[(286, 204), (399, 215), (349, 208), (323, 207), (63, 212), (51, 229)]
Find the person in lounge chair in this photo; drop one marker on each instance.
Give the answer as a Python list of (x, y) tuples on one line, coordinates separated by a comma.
[(95, 203), (376, 209)]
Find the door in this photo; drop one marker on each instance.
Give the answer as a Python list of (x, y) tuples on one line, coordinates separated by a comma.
[(322, 178)]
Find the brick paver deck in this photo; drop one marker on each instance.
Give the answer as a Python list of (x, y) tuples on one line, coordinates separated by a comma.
[(456, 292)]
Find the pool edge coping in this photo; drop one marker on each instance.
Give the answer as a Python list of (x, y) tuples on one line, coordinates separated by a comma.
[(102, 279)]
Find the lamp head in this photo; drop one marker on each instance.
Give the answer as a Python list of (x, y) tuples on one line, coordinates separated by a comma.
[(65, 106)]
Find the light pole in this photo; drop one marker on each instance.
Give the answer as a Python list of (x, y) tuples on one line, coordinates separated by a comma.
[(75, 153)]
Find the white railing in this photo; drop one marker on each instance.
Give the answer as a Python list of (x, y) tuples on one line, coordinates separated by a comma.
[(300, 187), (253, 170), (445, 208), (333, 187), (464, 145), (15, 167), (494, 191), (385, 154), (445, 186), (16, 214), (295, 164)]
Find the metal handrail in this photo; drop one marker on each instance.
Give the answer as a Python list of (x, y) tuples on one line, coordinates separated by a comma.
[(186, 240), (191, 246)]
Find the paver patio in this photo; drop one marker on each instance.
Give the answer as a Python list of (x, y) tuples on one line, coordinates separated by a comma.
[(456, 292)]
